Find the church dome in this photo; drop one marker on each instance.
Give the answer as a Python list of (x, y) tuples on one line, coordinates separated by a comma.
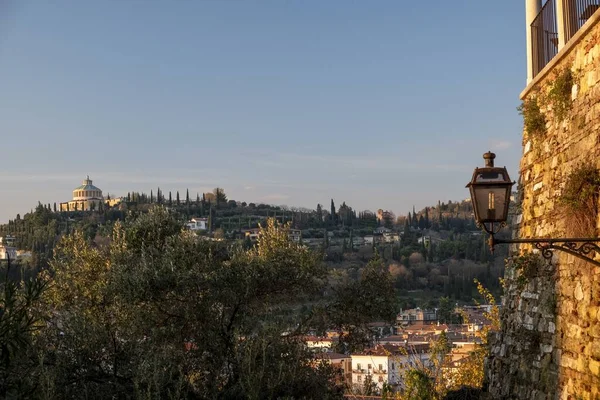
[(87, 191)]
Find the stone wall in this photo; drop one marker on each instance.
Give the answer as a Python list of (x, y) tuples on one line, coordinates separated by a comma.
[(549, 344)]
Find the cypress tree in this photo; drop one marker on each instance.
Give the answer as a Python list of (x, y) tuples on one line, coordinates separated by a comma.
[(332, 211), (151, 197), (170, 200), (319, 215), (187, 196), (177, 198)]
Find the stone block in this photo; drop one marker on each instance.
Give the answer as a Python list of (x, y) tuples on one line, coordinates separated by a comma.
[(578, 294), (546, 348), (594, 331), (594, 367), (582, 363)]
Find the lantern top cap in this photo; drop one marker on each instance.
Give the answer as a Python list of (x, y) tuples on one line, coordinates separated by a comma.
[(489, 159)]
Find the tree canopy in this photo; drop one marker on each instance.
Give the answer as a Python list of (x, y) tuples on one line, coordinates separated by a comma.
[(157, 312)]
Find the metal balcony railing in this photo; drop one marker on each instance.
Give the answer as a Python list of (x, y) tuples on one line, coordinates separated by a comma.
[(544, 36), (578, 12), (545, 28)]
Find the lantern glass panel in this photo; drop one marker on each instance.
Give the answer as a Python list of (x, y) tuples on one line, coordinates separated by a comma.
[(493, 176), (491, 203)]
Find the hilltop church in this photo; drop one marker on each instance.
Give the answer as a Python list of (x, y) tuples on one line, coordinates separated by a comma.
[(86, 197)]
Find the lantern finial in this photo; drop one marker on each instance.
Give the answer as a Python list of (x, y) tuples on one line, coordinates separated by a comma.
[(489, 159)]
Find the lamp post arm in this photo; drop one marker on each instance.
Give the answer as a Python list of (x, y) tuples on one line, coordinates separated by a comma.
[(578, 247)]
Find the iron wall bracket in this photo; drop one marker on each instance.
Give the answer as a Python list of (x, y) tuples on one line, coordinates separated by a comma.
[(582, 248)]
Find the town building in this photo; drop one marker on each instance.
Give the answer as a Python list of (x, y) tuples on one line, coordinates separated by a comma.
[(197, 224), (295, 235), (381, 230), (424, 240), (342, 363), (321, 344), (7, 251), (388, 364), (381, 328), (416, 315), (391, 237)]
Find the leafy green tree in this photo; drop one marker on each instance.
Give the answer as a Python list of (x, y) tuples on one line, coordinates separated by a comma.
[(220, 196), (418, 385), (20, 320), (371, 298), (209, 328), (388, 220), (369, 387), (446, 310)]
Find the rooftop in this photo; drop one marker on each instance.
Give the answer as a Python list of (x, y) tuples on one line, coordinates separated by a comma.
[(87, 185)]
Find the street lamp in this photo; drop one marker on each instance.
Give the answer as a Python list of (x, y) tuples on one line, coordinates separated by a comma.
[(490, 193), (490, 190)]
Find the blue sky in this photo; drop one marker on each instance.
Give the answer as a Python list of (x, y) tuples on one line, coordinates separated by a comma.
[(381, 104)]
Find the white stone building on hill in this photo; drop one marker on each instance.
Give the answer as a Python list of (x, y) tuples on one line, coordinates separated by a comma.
[(86, 197)]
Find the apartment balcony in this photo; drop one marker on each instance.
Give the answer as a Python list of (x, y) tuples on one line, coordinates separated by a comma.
[(370, 371), (551, 26)]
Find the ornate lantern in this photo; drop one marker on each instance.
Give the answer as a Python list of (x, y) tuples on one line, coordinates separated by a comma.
[(490, 193)]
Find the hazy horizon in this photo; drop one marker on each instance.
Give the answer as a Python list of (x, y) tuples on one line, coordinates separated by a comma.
[(381, 105)]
